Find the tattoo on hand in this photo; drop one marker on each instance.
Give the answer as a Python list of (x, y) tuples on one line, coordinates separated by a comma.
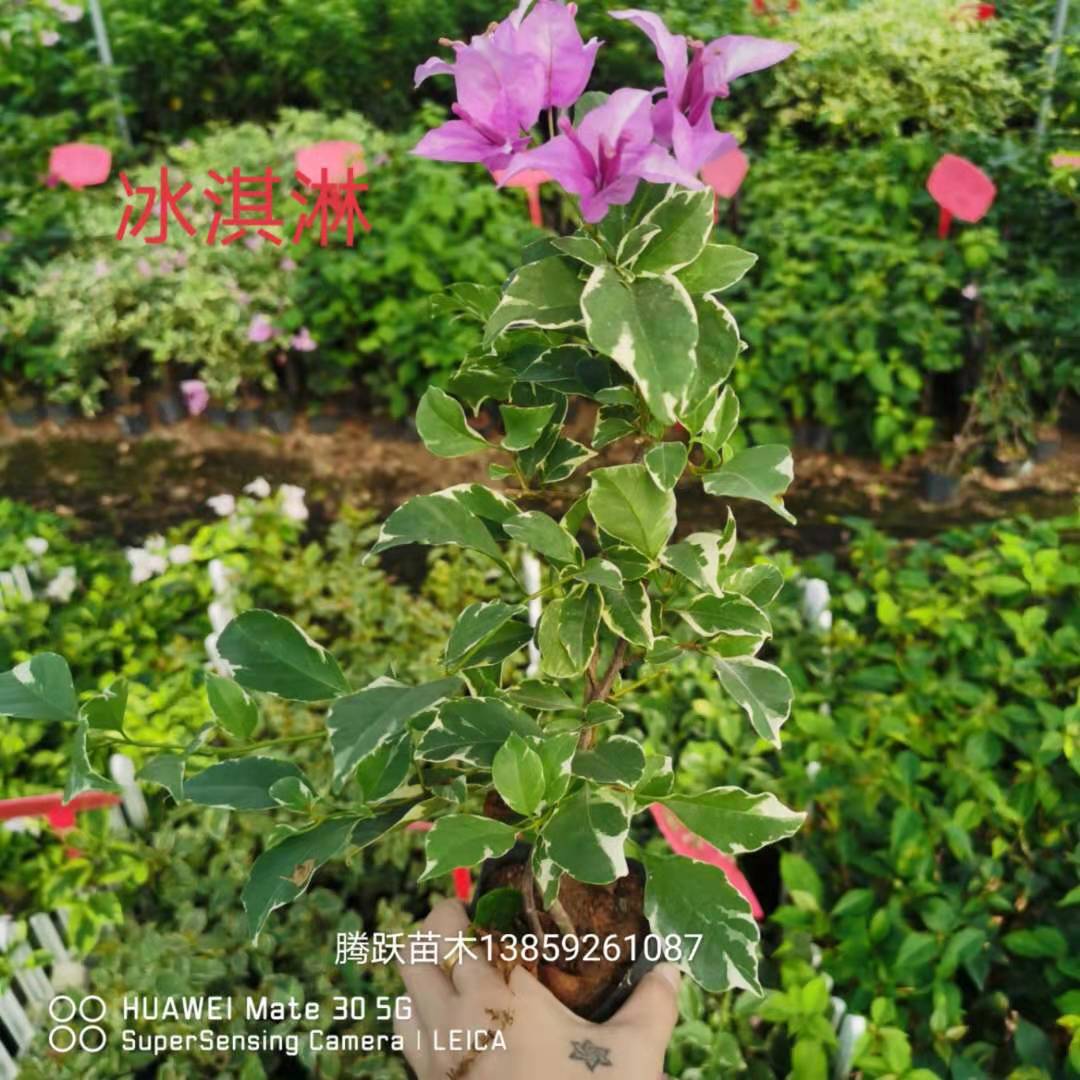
[(590, 1055)]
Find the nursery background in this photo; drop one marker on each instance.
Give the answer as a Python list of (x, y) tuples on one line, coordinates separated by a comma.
[(192, 429)]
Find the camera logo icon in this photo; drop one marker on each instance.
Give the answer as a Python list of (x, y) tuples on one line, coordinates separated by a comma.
[(90, 1037)]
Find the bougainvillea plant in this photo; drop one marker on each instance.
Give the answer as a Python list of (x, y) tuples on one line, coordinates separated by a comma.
[(625, 315)]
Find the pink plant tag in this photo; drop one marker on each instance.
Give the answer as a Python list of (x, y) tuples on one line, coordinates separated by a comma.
[(336, 156), (691, 846), (726, 173), (961, 189), (80, 165), (530, 180)]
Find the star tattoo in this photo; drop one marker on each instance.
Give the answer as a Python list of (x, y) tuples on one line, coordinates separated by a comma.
[(590, 1055)]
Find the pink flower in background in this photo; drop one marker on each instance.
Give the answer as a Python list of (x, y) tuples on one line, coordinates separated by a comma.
[(260, 329), (1066, 161), (196, 396), (288, 265), (606, 156), (48, 38), (683, 118), (304, 342), (68, 12), (144, 268), (101, 268)]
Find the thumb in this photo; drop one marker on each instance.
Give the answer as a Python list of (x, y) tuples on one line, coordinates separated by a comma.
[(653, 1007)]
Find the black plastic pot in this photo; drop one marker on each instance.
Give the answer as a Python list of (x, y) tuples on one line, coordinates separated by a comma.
[(60, 413), (939, 487), (132, 424), (279, 421), (1003, 468), (324, 423), (25, 417), (170, 410), (617, 996), (1045, 450), (815, 437), (216, 415), (245, 419)]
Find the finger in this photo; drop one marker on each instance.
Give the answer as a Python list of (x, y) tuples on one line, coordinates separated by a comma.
[(427, 982), (533, 994), (461, 954), (653, 1007), (415, 1043)]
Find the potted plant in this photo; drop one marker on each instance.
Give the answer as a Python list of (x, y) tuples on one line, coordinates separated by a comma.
[(536, 779)]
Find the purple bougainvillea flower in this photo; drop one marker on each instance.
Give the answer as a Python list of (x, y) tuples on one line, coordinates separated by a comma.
[(683, 118), (260, 329), (549, 32), (303, 341), (606, 156), (196, 396)]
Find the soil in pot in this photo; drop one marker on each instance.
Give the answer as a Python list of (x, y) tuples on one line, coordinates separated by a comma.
[(939, 488), (593, 988)]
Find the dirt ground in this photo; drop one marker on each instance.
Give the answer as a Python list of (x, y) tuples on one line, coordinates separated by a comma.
[(129, 488)]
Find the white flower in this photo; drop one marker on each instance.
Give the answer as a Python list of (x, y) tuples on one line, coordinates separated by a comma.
[(63, 585), (144, 565), (259, 487), (970, 291), (292, 502), (220, 578), (180, 555), (222, 505), (155, 543), (221, 614), (37, 545)]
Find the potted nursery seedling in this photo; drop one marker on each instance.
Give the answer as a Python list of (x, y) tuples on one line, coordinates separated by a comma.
[(536, 779)]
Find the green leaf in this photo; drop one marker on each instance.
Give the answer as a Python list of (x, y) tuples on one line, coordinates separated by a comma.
[(717, 350), (556, 754), (582, 248), (479, 379), (485, 634), (626, 503), (269, 653), (282, 873), (564, 460), (239, 784), (721, 422), (291, 792), (105, 712), (541, 696), (612, 424), (569, 369), (499, 909), (39, 689), (445, 517), (718, 267), (628, 612), (518, 774), (233, 707), (545, 294), (685, 220), (586, 835), (761, 583), (82, 776), (734, 821), (650, 329), (545, 536), (382, 772), (762, 473), (617, 760), (763, 691), (701, 556), (579, 625), (733, 617), (471, 731), (685, 897), (361, 723), (555, 658), (1041, 942), (657, 780), (464, 840), (166, 770), (666, 463), (597, 571), (441, 423), (524, 425)]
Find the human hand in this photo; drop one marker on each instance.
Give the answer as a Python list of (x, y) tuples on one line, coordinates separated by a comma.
[(544, 1040)]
